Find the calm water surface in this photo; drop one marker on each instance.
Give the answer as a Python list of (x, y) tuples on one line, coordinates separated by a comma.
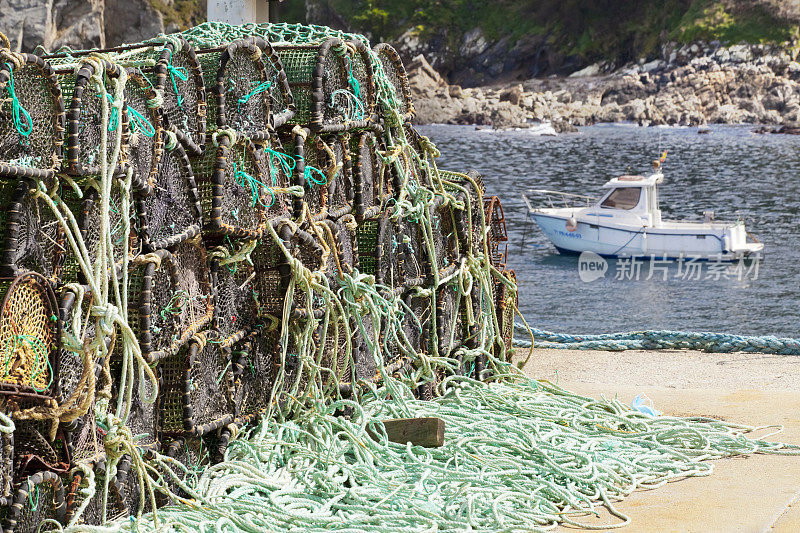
[(732, 171)]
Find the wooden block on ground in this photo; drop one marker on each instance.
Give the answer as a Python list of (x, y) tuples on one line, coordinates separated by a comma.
[(428, 431)]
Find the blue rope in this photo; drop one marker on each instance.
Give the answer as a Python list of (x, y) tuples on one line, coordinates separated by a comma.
[(112, 121), (19, 112), (661, 340), (263, 86), (181, 73)]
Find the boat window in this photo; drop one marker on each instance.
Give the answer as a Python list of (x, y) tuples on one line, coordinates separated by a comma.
[(623, 198)]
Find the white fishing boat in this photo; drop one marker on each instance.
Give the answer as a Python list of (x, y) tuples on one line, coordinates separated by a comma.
[(626, 221)]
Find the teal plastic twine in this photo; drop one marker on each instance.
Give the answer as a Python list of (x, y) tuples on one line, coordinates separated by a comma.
[(112, 119), (286, 162), (18, 111), (140, 123), (263, 86), (181, 73), (351, 80), (309, 172), (245, 180)]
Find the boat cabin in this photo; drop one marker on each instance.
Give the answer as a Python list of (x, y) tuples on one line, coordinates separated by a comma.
[(631, 197)]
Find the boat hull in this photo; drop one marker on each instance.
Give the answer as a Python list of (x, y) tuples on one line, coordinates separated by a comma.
[(610, 241)]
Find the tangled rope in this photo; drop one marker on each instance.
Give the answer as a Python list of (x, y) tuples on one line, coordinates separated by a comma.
[(661, 340)]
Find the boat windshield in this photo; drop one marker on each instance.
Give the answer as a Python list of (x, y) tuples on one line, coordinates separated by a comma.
[(623, 198)]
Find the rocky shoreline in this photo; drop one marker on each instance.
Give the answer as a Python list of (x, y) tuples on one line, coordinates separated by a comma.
[(692, 85)]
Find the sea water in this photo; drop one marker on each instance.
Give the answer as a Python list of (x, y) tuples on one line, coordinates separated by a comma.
[(732, 171)]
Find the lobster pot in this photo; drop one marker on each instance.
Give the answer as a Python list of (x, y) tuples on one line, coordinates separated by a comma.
[(395, 73), (496, 236), (195, 453), (255, 367), (123, 494), (270, 280), (450, 324), (402, 259), (252, 92), (29, 337), (144, 416), (6, 467), (236, 303), (369, 187), (470, 220), (34, 239), (195, 395), (445, 242), (332, 83), (169, 211), (83, 438), (31, 133), (175, 301), (341, 191), (143, 128), (410, 160), (40, 497), (506, 301), (409, 337), (365, 345), (316, 169), (179, 79), (242, 194), (90, 222), (338, 369), (367, 245), (85, 117), (34, 450)]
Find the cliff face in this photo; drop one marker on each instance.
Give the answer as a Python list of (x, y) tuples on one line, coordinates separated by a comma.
[(474, 42), (93, 23)]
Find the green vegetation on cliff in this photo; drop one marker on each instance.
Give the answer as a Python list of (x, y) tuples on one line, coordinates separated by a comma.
[(586, 29)]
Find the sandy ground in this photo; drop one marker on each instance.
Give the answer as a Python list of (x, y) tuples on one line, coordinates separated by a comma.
[(745, 494)]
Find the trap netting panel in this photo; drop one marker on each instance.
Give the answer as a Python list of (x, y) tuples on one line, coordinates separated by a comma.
[(171, 212), (31, 116), (450, 325), (240, 197), (196, 390), (236, 298), (367, 245), (180, 80), (38, 499), (209, 61), (396, 75), (332, 84), (368, 171), (144, 131), (28, 335), (443, 231), (243, 88), (402, 255), (340, 181), (85, 119), (195, 453), (277, 167), (144, 416), (35, 240), (255, 369), (469, 220), (270, 280), (176, 299), (91, 225), (34, 450)]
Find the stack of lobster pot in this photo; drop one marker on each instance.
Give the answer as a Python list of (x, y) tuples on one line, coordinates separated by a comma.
[(196, 233)]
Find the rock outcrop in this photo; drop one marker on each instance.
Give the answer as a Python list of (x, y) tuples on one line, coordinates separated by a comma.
[(690, 85)]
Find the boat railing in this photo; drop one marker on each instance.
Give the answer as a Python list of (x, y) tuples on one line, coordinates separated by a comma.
[(568, 199)]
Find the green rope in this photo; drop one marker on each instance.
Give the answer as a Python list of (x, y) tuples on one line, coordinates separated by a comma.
[(179, 72), (308, 175), (286, 163), (351, 80), (140, 123), (18, 111), (262, 87), (246, 181)]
